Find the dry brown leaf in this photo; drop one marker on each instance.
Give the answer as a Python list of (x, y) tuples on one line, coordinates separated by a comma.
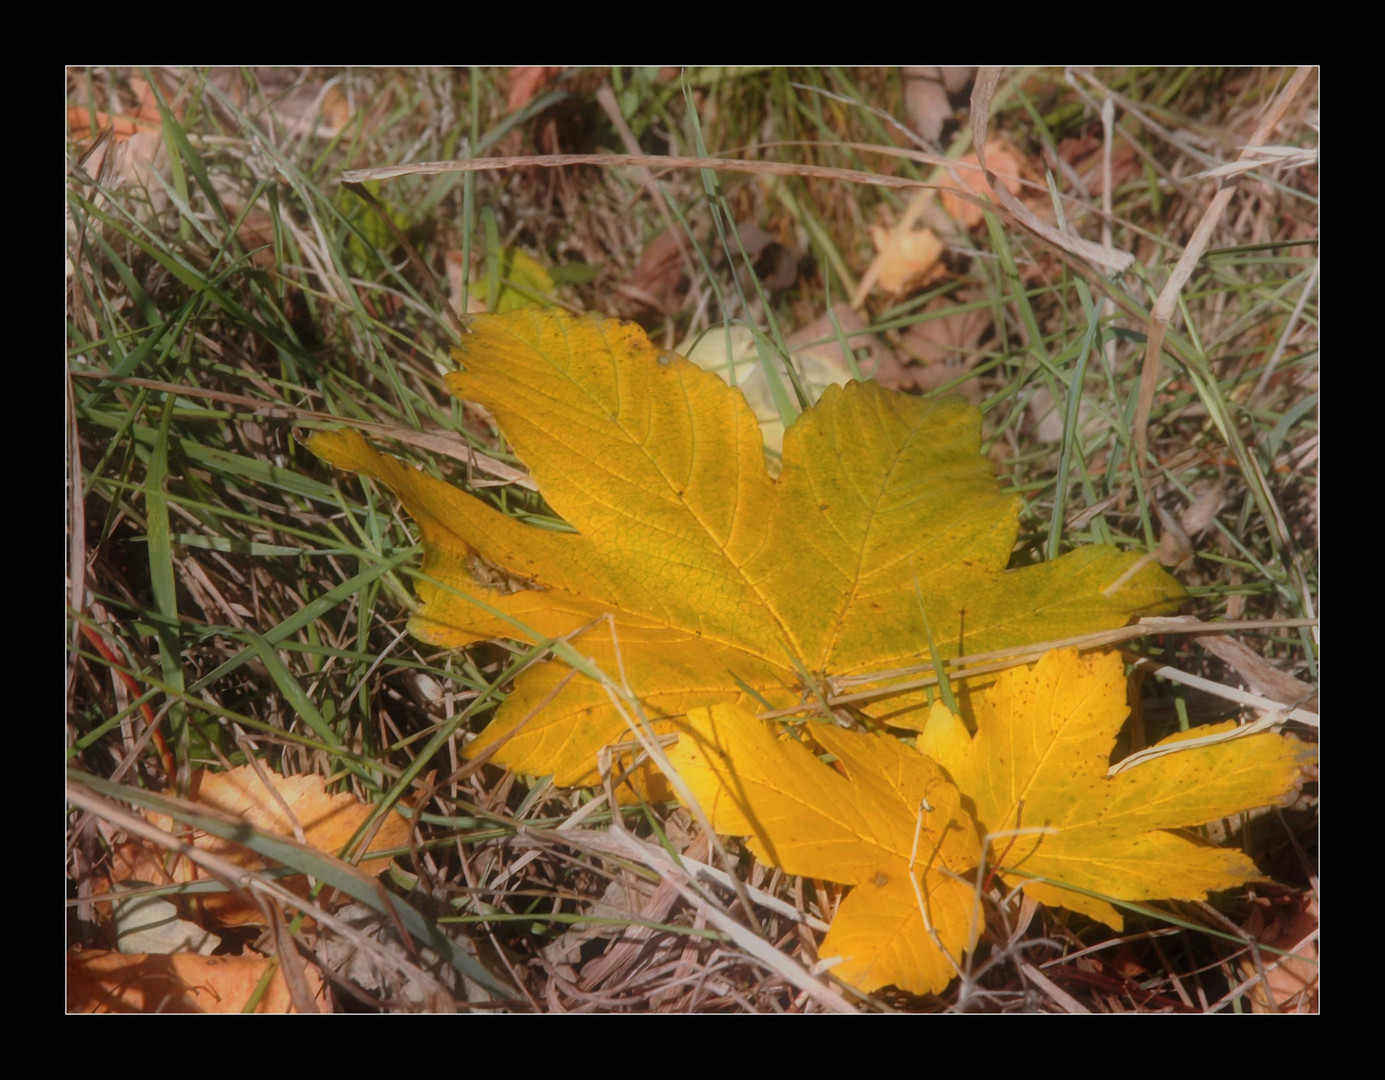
[(948, 338), (327, 823), (111, 982), (336, 113), (775, 261), (143, 117), (307, 110), (825, 363), (1002, 160), (925, 101), (1049, 418), (1175, 548), (957, 79), (1260, 675), (1085, 155), (525, 82), (983, 93), (658, 280), (457, 284), (131, 162), (1289, 923), (906, 260), (1204, 510), (945, 348)]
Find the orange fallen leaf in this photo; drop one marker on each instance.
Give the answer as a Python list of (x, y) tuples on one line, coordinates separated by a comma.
[(1290, 983), (144, 117), (110, 982), (1002, 160), (906, 259), (525, 82), (80, 118), (327, 821)]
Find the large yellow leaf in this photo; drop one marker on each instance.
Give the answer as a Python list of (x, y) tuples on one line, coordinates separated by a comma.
[(720, 583), (1040, 758), (892, 823)]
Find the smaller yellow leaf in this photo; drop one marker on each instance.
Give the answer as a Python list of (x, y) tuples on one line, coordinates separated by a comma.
[(1040, 758), (893, 827), (527, 281)]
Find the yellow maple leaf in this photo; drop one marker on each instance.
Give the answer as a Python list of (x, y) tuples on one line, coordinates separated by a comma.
[(717, 582), (1040, 760), (893, 827)]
